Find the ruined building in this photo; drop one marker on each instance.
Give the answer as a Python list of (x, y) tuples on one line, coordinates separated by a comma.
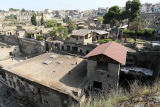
[(50, 79), (81, 41), (56, 79), (104, 64)]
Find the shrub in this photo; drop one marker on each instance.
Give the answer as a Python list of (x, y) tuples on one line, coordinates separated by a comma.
[(104, 40), (101, 41), (128, 32), (29, 34), (107, 40), (51, 23), (142, 32), (150, 32), (117, 41), (40, 37)]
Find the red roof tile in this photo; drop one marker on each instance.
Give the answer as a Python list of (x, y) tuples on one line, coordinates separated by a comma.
[(113, 50)]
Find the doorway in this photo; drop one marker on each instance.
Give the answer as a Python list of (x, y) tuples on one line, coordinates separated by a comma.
[(97, 85)]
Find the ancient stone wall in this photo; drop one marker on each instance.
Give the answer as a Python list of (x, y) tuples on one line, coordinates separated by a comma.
[(12, 40), (67, 46), (31, 47), (39, 94), (109, 78), (152, 20)]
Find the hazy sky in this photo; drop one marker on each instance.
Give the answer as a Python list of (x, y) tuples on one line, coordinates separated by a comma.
[(63, 4)]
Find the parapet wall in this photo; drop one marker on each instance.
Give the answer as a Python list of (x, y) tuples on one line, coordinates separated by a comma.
[(31, 47), (37, 93), (11, 40)]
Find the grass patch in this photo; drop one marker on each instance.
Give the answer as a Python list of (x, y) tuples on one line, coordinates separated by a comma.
[(130, 40), (116, 97), (140, 41), (107, 40), (40, 37)]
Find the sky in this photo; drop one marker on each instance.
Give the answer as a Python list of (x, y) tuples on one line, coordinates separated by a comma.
[(64, 4)]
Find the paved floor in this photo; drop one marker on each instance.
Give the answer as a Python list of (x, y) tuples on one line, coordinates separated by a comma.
[(65, 73), (11, 61), (4, 51)]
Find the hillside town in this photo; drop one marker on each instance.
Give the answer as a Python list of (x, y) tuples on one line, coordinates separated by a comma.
[(65, 58)]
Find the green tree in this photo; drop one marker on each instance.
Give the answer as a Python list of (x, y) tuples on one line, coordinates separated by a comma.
[(63, 31), (59, 32), (127, 13), (40, 37), (23, 10), (2, 11), (33, 20), (51, 23), (42, 20), (135, 9), (100, 19), (54, 32), (113, 16), (12, 9), (137, 26), (71, 25), (13, 17), (132, 10)]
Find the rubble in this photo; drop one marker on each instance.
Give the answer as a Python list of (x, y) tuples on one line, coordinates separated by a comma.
[(137, 70)]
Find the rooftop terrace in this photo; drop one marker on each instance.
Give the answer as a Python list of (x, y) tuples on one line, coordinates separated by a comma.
[(64, 73)]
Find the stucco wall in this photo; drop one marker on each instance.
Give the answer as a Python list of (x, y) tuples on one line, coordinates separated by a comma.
[(15, 49), (22, 34), (82, 40), (109, 79)]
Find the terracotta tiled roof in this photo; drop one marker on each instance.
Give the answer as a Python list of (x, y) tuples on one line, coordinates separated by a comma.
[(111, 49)]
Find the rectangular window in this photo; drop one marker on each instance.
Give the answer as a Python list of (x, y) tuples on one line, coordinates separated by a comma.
[(75, 49), (68, 48), (14, 85), (97, 85), (10, 83), (86, 37), (45, 101), (103, 66)]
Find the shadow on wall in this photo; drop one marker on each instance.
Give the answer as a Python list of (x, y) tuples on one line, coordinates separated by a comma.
[(76, 76)]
